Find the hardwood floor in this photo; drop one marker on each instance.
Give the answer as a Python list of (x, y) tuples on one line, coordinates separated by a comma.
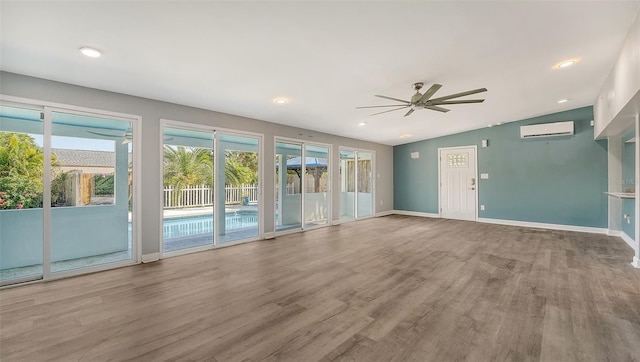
[(387, 289)]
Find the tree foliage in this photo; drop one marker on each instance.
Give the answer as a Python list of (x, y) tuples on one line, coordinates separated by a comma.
[(189, 166), (104, 184), (21, 171), (185, 166)]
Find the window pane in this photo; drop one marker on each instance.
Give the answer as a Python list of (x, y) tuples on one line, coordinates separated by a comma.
[(288, 186), (348, 185), (365, 184), (238, 184), (188, 208), (316, 202), (21, 194), (91, 185)]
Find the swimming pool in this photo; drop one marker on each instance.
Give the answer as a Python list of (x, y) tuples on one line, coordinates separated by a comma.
[(201, 226)]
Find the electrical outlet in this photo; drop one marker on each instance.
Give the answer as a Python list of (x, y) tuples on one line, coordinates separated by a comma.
[(481, 207)]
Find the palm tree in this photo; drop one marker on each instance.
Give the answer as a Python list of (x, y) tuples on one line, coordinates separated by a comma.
[(185, 166)]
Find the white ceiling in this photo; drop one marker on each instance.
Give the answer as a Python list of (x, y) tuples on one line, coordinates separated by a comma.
[(327, 57)]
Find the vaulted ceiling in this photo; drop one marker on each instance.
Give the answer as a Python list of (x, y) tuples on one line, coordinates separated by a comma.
[(327, 58)]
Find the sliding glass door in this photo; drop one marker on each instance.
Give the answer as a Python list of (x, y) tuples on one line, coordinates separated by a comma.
[(288, 184), (316, 196), (21, 193), (211, 188), (238, 184), (91, 180), (301, 185), (66, 192), (188, 209), (365, 184), (356, 184), (347, 185)]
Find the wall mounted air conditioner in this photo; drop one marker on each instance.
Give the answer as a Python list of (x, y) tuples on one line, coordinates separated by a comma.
[(547, 130)]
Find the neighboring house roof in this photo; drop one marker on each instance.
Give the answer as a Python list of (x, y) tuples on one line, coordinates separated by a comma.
[(84, 158)]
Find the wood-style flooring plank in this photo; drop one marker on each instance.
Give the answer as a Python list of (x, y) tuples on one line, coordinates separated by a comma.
[(396, 288)]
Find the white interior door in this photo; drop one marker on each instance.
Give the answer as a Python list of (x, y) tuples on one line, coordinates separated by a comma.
[(458, 183)]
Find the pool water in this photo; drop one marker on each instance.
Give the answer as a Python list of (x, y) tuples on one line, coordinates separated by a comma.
[(189, 231)]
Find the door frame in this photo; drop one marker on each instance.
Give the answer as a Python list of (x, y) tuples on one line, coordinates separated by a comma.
[(356, 151), (47, 108), (216, 132), (303, 154), (439, 161)]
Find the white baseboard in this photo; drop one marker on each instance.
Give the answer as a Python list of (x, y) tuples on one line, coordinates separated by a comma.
[(148, 258), (614, 233), (539, 225), (629, 240), (636, 262), (384, 213), (415, 213), (270, 235)]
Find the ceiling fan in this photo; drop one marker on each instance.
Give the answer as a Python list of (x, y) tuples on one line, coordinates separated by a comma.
[(420, 100), (127, 136)]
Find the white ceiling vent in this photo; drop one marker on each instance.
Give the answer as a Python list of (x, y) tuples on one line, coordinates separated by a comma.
[(547, 130)]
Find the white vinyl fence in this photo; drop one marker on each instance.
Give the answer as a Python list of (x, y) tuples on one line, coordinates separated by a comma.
[(194, 196)]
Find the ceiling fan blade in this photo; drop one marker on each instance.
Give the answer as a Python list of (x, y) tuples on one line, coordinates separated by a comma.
[(392, 105), (432, 103), (409, 113), (105, 134), (391, 110), (393, 99), (436, 108), (429, 93), (461, 94)]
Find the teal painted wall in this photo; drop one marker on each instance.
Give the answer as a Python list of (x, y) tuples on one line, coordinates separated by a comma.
[(628, 182), (556, 180)]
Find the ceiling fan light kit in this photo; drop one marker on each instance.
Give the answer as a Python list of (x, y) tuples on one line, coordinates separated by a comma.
[(420, 100)]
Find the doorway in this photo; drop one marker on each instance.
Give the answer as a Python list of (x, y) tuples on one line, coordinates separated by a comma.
[(458, 195), (302, 185), (356, 184), (67, 191), (211, 187)]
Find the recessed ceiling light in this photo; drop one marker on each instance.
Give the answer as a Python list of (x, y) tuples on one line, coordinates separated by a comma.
[(91, 52), (405, 136), (563, 101), (362, 123), (490, 125), (280, 100), (499, 124), (568, 63)]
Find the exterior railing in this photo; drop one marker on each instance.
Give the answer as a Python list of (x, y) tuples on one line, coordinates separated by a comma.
[(202, 195)]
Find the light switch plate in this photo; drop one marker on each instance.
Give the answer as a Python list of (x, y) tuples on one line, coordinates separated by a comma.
[(484, 176)]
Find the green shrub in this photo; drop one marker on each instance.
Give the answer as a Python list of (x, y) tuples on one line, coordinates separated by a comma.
[(19, 192), (103, 185)]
